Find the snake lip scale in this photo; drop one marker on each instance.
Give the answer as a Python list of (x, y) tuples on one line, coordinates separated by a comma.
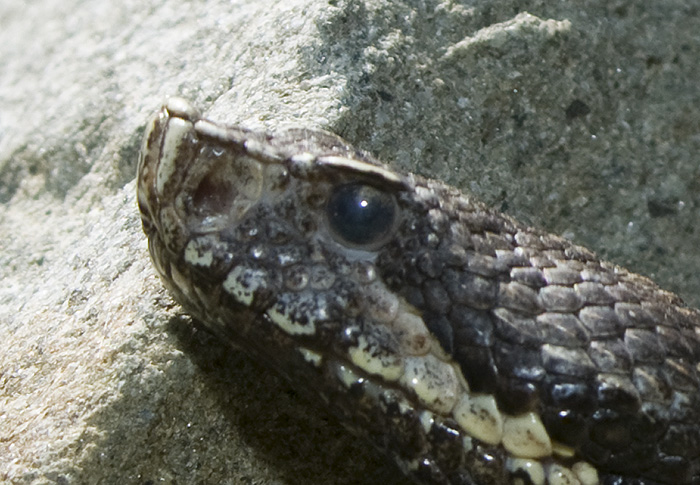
[(468, 347)]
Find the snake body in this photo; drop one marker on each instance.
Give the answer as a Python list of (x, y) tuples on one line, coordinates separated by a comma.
[(470, 348)]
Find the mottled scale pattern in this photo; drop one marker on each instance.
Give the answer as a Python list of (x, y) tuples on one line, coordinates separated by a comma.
[(470, 348)]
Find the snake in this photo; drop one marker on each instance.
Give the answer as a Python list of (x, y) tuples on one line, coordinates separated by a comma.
[(466, 346)]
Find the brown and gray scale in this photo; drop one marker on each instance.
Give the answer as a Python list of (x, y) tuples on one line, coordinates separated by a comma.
[(468, 347)]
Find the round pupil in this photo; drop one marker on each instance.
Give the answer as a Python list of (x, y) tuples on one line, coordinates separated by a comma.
[(360, 214)]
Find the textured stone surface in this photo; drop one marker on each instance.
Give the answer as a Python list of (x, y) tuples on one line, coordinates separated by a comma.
[(577, 118)]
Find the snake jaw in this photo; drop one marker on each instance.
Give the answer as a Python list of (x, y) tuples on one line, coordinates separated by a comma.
[(457, 340)]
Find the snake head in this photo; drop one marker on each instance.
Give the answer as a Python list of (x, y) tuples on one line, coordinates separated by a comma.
[(470, 348), (272, 221), (273, 243)]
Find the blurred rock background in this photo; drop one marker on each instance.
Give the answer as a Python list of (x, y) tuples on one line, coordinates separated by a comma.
[(579, 117)]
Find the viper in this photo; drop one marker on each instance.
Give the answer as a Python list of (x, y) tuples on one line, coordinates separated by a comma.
[(470, 348)]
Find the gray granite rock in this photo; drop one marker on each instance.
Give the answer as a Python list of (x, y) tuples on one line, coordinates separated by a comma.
[(581, 118)]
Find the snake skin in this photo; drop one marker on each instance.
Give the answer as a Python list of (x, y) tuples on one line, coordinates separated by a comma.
[(470, 348)]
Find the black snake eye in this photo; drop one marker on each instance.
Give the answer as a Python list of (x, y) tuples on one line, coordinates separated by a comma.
[(361, 215)]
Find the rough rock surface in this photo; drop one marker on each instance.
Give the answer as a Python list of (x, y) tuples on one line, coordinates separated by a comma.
[(579, 117)]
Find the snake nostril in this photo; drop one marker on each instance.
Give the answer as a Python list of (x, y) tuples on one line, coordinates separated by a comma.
[(225, 190), (213, 195)]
